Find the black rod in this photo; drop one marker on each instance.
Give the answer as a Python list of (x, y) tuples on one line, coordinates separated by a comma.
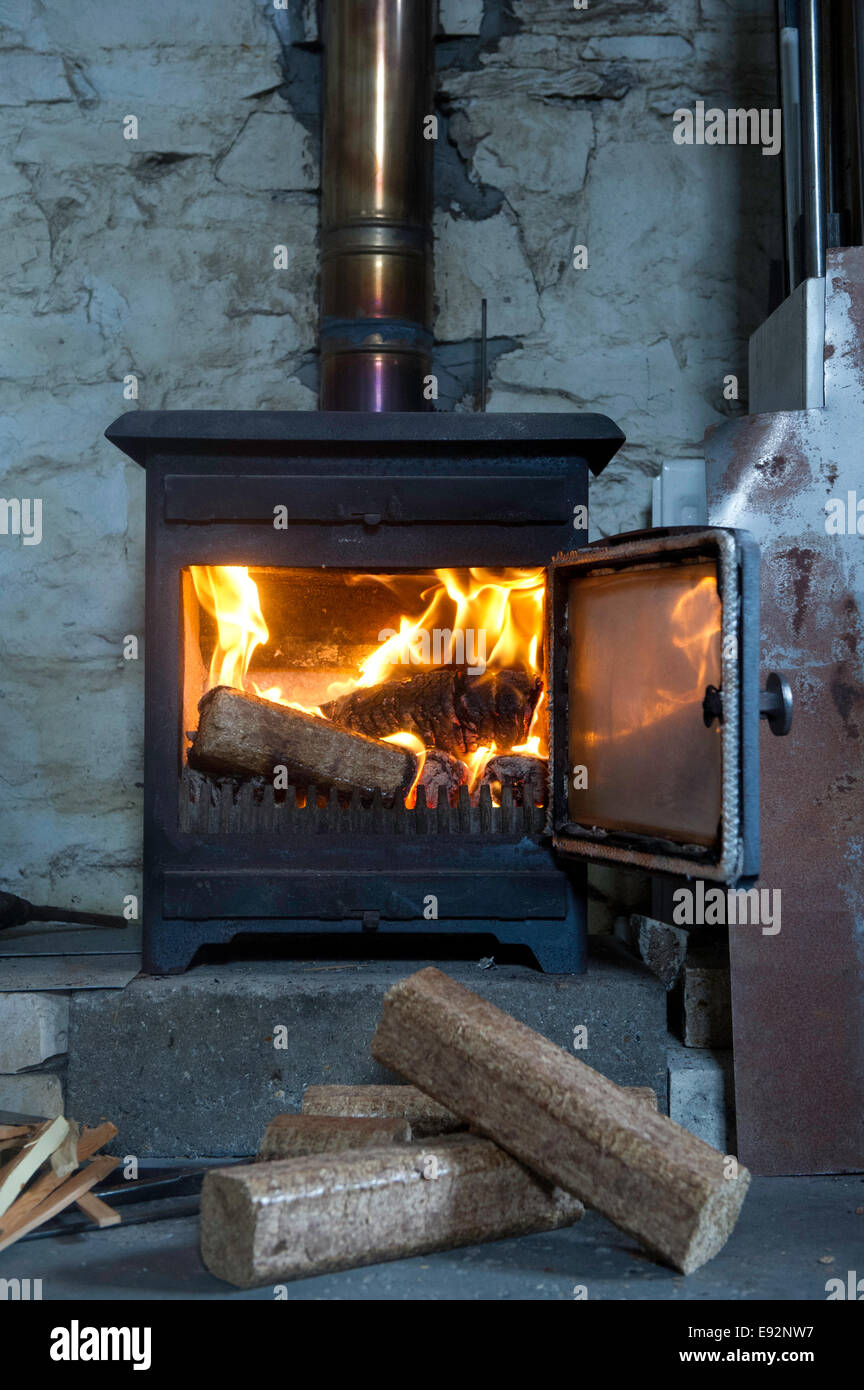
[(484, 369), (790, 100), (858, 119), (812, 157)]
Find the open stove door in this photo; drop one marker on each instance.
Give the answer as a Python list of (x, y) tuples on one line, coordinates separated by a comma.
[(654, 719)]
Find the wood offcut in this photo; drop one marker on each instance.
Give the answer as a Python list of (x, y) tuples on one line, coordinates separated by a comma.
[(49, 1178)]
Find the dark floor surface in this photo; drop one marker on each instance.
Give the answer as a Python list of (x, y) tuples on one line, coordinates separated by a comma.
[(794, 1235)]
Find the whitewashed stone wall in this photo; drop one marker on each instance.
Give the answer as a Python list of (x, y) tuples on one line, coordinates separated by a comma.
[(570, 118), (153, 258)]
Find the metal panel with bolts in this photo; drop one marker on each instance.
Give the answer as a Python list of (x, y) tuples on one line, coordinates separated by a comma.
[(798, 993)]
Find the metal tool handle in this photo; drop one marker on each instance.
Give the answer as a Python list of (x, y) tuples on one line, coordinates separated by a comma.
[(16, 912)]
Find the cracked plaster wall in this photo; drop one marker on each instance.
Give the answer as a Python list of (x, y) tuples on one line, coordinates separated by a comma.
[(154, 257)]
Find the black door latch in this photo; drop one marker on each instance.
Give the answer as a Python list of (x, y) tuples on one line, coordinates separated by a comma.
[(775, 704)]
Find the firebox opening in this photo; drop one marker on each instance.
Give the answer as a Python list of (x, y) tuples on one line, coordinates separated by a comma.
[(445, 668)]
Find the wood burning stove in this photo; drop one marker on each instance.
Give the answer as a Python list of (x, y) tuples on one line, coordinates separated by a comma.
[(376, 700), (385, 576)]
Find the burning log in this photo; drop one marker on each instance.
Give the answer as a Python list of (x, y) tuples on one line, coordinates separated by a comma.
[(243, 734), (267, 1222), (442, 775), (445, 708), (525, 775), (298, 1136), (656, 1181)]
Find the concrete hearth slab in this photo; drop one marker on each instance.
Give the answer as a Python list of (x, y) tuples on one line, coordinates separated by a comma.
[(796, 1239), (197, 1064)]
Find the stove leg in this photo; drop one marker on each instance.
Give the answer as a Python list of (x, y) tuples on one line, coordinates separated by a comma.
[(560, 946), (169, 948)]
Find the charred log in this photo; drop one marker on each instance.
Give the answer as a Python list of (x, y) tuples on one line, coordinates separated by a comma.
[(442, 775), (524, 774), (445, 708)]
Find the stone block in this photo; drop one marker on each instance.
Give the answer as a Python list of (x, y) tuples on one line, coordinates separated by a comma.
[(32, 1093), (458, 17), (29, 78), (198, 1064), (33, 1027), (273, 151), (477, 259), (639, 48), (702, 1095), (705, 994), (104, 22)]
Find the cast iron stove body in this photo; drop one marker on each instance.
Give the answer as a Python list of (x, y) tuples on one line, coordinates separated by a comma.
[(362, 494)]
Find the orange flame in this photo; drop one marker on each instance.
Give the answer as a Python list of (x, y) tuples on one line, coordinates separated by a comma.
[(477, 763), (694, 626), (473, 617), (695, 623), (415, 745), (477, 619), (230, 596), (534, 742)]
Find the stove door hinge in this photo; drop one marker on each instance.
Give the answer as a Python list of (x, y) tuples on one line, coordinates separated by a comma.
[(775, 704), (371, 921)]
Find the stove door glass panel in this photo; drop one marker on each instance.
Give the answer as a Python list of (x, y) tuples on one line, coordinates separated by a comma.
[(650, 635), (645, 644)]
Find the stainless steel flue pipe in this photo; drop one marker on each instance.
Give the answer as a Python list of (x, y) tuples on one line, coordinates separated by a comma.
[(376, 212)]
